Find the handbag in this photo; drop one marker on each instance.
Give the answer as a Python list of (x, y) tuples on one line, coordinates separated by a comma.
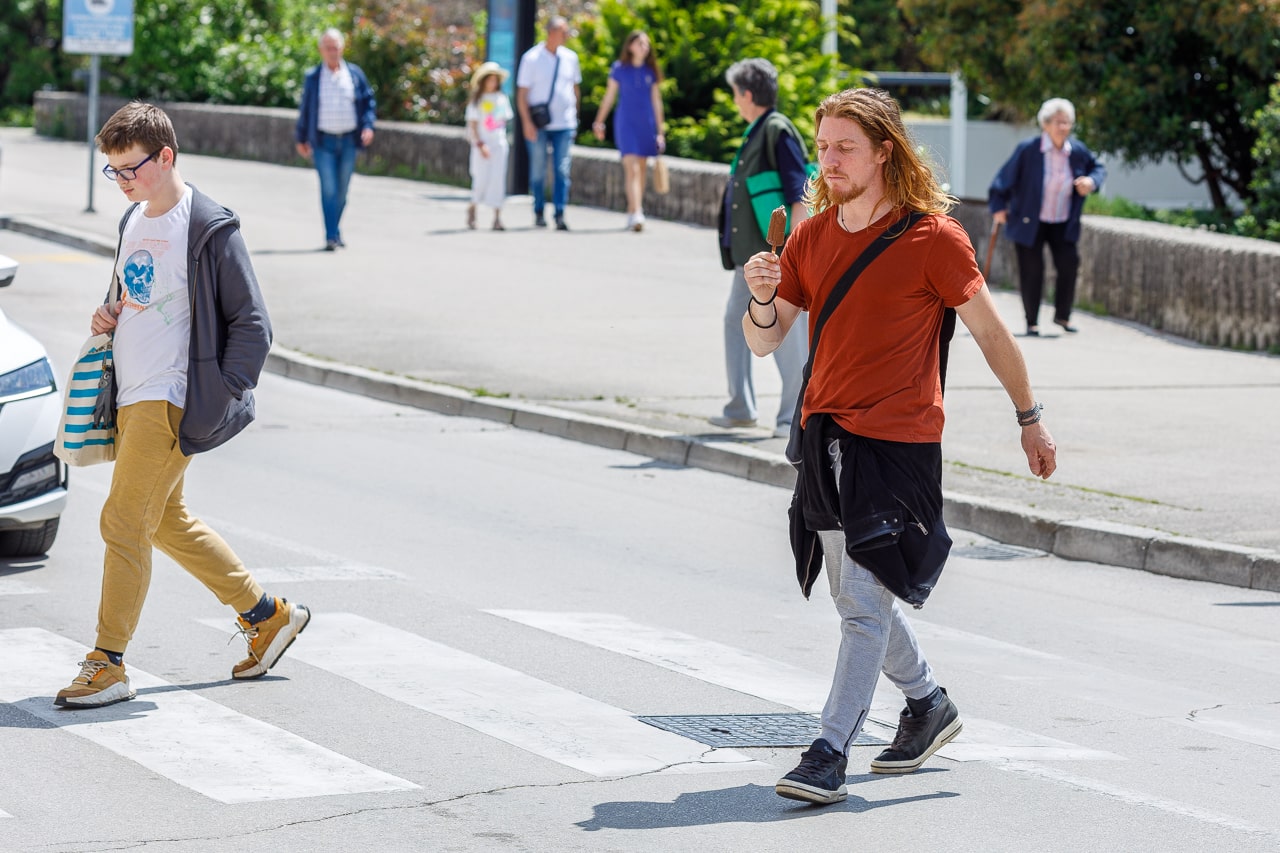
[(795, 442), (661, 177), (540, 114), (764, 191), (87, 427)]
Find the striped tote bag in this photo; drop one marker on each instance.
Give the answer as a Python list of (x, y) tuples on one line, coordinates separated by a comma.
[(86, 437)]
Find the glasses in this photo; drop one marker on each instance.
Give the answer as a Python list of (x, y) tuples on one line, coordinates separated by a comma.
[(129, 172)]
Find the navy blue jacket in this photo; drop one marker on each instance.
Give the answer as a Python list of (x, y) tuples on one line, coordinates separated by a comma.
[(1019, 188), (309, 108)]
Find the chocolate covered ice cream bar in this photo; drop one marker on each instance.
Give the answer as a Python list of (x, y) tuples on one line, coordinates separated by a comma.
[(777, 228)]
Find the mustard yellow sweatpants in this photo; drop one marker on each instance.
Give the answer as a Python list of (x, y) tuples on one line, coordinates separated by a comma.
[(144, 509)]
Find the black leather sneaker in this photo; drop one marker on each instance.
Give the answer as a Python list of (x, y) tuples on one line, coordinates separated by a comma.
[(539, 221), (918, 738), (819, 778)]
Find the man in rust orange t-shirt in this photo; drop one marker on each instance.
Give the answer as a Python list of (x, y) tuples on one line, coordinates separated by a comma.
[(869, 491)]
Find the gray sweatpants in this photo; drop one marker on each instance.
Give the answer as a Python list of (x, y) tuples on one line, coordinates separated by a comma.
[(875, 637)]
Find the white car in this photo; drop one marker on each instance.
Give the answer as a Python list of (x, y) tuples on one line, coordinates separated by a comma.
[(33, 483)]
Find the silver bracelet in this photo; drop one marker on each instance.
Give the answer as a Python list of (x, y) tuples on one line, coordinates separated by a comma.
[(1030, 416)]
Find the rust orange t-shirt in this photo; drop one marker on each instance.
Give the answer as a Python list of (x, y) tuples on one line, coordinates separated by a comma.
[(876, 370)]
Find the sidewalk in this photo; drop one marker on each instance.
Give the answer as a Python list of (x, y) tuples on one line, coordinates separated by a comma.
[(603, 335)]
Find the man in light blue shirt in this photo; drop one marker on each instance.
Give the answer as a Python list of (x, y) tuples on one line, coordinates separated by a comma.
[(335, 119)]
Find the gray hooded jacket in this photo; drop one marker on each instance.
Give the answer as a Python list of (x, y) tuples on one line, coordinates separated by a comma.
[(230, 329)]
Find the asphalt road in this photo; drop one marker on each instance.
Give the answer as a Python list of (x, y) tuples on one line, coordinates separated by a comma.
[(494, 607)]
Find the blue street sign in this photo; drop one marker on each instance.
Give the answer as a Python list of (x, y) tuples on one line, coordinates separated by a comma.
[(97, 26)]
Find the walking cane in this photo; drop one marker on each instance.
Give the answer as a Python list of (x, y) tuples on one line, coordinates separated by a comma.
[(991, 247)]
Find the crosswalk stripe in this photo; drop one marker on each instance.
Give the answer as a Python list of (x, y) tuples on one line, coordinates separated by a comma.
[(1257, 724), (186, 738), (755, 675), (1125, 795), (327, 572), (13, 586), (544, 719)]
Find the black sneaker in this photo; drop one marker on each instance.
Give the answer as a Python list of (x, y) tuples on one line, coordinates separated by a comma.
[(561, 225), (818, 778), (918, 738), (539, 221)]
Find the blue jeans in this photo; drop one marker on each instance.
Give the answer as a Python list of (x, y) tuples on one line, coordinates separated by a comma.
[(560, 141), (790, 357), (335, 159)]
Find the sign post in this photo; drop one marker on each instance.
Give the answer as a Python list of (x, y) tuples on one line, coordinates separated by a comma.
[(509, 35), (96, 27)]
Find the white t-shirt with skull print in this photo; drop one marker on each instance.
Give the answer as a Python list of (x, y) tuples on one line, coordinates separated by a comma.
[(153, 330)]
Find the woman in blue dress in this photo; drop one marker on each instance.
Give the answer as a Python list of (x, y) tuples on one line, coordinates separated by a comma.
[(637, 125)]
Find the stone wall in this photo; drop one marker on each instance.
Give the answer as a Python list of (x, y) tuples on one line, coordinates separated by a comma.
[(1214, 289)]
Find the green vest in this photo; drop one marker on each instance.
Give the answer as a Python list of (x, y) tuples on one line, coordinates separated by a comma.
[(755, 156)]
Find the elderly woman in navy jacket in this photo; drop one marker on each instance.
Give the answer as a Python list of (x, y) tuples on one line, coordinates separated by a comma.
[(1039, 195)]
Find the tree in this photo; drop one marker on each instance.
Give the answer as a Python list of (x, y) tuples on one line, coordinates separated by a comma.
[(696, 41), (30, 54), (1150, 78)]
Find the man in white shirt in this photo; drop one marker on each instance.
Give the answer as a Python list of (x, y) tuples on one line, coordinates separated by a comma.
[(549, 84), (335, 120)]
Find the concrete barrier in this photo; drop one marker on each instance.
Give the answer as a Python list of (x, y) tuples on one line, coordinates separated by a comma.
[(1210, 288)]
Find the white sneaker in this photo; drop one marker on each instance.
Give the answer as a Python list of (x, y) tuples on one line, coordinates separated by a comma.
[(637, 221), (631, 221)]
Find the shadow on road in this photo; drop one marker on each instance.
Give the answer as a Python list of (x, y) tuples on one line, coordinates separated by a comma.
[(744, 804)]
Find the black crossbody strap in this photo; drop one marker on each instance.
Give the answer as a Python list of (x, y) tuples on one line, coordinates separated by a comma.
[(869, 254), (555, 72)]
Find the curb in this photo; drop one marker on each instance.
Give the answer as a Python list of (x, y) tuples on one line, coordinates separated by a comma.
[(1092, 540)]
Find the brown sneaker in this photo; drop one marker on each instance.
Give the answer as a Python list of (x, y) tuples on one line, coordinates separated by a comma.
[(269, 638), (99, 683)]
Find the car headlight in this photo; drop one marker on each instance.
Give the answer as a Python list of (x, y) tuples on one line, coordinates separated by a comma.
[(31, 381)]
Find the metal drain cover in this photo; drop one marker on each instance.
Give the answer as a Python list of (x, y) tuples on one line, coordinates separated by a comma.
[(996, 552), (757, 730)]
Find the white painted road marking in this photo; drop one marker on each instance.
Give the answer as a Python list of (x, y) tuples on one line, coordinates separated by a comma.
[(179, 735), (339, 572), (544, 719), (1257, 723), (755, 675), (1133, 797), (13, 586)]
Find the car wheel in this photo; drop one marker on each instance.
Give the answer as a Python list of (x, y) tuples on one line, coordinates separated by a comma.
[(29, 542)]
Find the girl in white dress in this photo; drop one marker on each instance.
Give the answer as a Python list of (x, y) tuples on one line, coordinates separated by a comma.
[(488, 112)]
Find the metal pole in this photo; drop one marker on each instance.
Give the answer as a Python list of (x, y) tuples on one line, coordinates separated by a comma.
[(959, 133), (92, 121), (829, 18)]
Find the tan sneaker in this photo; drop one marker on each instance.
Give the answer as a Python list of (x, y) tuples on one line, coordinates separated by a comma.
[(269, 638), (99, 683)]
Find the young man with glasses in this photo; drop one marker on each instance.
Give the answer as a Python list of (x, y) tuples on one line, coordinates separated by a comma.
[(191, 334)]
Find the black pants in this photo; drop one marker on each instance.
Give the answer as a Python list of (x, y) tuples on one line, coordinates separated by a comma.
[(1066, 260)]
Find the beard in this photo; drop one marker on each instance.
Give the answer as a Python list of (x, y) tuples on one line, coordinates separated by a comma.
[(844, 196)]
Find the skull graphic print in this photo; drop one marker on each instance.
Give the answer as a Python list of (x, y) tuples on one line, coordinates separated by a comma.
[(139, 274)]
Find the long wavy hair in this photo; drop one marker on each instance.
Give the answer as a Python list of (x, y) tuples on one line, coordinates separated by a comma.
[(650, 61), (909, 182)]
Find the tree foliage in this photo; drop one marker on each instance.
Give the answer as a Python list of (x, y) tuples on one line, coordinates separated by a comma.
[(695, 42), (1262, 215), (30, 54), (1150, 78)]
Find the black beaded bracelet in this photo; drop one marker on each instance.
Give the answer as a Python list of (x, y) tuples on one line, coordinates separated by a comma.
[(752, 317), (1030, 416)]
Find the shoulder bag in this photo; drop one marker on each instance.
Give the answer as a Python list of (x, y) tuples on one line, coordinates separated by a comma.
[(87, 428), (540, 114)]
